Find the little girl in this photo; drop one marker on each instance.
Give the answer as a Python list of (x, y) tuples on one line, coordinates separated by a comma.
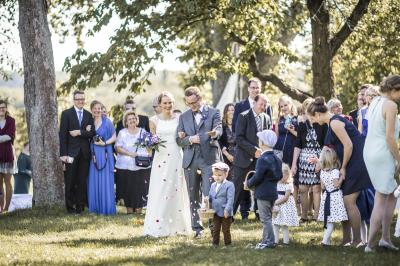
[(332, 208), (285, 213)]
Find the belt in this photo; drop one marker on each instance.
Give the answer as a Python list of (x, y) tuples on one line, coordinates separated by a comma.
[(327, 205)]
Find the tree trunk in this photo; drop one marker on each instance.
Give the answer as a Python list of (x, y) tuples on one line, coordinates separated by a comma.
[(41, 102), (321, 53), (219, 44)]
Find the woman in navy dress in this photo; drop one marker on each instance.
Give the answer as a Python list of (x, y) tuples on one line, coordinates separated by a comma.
[(344, 137), (286, 129), (101, 195)]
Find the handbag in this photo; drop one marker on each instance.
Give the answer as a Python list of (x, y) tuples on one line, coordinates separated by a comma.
[(142, 161)]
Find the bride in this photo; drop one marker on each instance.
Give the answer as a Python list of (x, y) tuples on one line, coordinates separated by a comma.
[(168, 207)]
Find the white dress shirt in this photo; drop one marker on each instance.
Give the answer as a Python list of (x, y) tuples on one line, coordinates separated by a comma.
[(251, 101), (198, 116)]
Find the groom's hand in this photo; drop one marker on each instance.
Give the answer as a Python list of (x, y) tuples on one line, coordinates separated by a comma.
[(195, 139), (226, 214)]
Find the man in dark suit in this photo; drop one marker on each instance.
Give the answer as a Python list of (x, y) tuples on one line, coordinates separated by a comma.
[(249, 123), (361, 101), (76, 131), (254, 88), (130, 105)]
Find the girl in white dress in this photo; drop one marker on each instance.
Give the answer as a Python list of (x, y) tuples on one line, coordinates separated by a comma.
[(332, 208), (168, 207), (285, 212)]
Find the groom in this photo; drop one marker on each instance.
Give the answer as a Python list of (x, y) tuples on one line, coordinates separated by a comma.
[(197, 132)]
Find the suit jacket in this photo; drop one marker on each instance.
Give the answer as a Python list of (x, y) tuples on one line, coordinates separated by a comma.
[(209, 148), (222, 200), (246, 137), (354, 115), (268, 173), (143, 123), (242, 106), (70, 146)]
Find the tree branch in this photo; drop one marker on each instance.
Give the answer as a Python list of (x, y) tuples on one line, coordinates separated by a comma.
[(237, 39), (351, 22), (276, 81)]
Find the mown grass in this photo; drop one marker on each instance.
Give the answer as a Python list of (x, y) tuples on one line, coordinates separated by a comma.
[(52, 237)]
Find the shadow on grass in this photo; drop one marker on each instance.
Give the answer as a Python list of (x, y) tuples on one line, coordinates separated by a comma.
[(40, 220)]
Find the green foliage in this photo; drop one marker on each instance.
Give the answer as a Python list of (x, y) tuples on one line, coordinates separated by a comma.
[(371, 52), (8, 63), (147, 29)]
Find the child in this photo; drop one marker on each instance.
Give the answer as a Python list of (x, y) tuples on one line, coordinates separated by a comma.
[(268, 173), (221, 197), (285, 206), (332, 208)]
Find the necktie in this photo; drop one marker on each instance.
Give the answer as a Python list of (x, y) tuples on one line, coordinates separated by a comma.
[(80, 117), (258, 122)]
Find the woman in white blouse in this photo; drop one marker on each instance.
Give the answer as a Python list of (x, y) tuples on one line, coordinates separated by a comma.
[(131, 178)]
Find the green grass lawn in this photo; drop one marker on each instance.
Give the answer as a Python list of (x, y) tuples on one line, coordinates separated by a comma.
[(56, 238)]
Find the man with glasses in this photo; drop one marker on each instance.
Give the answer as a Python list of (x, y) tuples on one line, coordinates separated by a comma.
[(76, 131), (254, 89), (361, 103), (197, 132), (130, 105)]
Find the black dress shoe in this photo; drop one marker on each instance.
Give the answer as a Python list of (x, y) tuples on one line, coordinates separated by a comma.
[(71, 210), (79, 209)]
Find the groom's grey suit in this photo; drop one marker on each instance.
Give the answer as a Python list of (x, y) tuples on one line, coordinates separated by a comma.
[(199, 156)]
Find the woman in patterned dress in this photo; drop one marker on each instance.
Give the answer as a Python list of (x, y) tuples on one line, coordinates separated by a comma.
[(310, 140)]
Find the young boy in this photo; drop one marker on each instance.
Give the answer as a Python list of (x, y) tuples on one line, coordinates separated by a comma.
[(268, 173), (221, 197)]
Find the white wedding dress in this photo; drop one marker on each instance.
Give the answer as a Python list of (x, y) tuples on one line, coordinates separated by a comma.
[(168, 206)]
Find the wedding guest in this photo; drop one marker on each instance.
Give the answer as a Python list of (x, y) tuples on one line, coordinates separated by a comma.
[(132, 177), (254, 88), (156, 107), (361, 102), (309, 142), (247, 152), (284, 206), (22, 180), (382, 157), (370, 94), (286, 129), (130, 105), (268, 173), (343, 136), (227, 141), (221, 197), (335, 107), (76, 130), (103, 110), (7, 163), (101, 196), (332, 208)]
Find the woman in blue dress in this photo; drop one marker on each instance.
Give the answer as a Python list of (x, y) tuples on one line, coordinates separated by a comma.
[(344, 137), (101, 195)]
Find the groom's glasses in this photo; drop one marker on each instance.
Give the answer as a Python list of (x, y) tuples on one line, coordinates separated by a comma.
[(192, 103)]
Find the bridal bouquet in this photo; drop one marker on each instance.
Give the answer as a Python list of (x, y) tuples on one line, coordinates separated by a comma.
[(150, 141)]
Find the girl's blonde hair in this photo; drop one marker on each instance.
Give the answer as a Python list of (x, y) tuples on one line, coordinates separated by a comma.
[(288, 100), (328, 159), (287, 172)]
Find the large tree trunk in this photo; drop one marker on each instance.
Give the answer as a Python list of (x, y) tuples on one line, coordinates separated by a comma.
[(41, 103), (321, 53), (219, 44)]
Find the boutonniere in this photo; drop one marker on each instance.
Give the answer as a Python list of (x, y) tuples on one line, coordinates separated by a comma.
[(204, 114)]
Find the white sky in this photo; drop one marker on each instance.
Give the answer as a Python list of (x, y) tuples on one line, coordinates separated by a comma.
[(98, 43)]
